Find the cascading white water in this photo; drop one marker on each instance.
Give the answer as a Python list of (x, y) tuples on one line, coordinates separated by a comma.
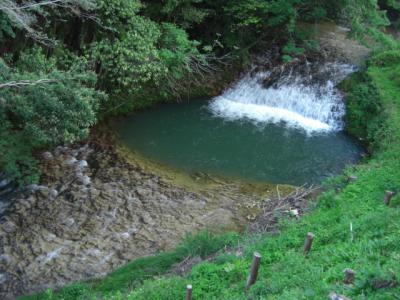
[(296, 99)]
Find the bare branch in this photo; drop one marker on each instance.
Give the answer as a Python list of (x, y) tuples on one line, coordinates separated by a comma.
[(22, 83), (293, 204), (35, 4), (23, 15)]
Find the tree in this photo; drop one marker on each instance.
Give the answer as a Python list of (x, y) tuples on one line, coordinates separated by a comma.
[(37, 112), (24, 15)]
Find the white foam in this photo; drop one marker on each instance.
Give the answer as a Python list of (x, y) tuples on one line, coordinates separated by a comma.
[(314, 108), (261, 113)]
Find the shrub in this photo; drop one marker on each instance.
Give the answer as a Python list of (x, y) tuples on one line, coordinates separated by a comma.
[(363, 109), (59, 110), (206, 243), (385, 59)]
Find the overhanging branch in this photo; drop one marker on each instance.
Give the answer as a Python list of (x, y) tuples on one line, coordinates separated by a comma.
[(22, 83)]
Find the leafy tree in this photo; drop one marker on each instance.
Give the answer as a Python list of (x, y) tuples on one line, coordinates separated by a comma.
[(42, 106), (134, 53), (186, 13), (23, 15)]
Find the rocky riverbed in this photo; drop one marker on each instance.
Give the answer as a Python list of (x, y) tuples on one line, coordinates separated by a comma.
[(95, 210)]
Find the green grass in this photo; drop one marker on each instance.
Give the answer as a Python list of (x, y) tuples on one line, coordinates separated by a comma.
[(374, 251)]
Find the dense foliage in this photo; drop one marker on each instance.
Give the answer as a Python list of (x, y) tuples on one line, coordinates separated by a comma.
[(137, 52), (43, 105)]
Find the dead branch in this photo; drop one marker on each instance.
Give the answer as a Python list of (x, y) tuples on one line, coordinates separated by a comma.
[(293, 204), (23, 16), (26, 83), (198, 72)]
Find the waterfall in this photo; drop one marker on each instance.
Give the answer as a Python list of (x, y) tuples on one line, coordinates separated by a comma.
[(303, 97)]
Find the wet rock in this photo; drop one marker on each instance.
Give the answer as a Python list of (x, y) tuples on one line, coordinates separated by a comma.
[(47, 155), (147, 219), (81, 164), (4, 183), (43, 192), (8, 226), (71, 161), (5, 260), (53, 193), (68, 222), (83, 179), (61, 150), (35, 187), (3, 278)]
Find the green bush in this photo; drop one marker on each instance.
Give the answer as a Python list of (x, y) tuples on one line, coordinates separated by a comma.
[(54, 107), (385, 59), (363, 108)]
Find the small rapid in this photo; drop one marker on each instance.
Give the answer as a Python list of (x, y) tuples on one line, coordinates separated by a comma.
[(303, 97)]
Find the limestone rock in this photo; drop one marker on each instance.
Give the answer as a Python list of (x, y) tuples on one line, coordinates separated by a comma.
[(83, 179), (47, 155)]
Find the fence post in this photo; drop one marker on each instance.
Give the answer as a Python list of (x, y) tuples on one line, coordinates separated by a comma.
[(349, 276), (308, 243), (253, 270), (388, 197), (189, 292), (334, 296)]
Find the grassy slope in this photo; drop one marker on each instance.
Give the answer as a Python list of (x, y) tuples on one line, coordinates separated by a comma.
[(285, 273)]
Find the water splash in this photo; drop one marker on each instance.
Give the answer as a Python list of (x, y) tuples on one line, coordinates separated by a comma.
[(304, 97)]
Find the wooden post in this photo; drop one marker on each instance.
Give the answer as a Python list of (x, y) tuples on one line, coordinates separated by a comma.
[(253, 270), (349, 276), (388, 197), (334, 296), (308, 243), (351, 232), (189, 292), (351, 178)]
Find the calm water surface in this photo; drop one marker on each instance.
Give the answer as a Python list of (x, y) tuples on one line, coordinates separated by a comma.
[(189, 137)]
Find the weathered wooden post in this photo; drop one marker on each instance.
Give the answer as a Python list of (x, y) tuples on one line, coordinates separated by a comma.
[(351, 232), (388, 197), (334, 296), (349, 276), (351, 178), (253, 270), (308, 243), (189, 292)]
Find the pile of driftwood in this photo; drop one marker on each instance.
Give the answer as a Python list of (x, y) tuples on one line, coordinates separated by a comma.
[(293, 205)]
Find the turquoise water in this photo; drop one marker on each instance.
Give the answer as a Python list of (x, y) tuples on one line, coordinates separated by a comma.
[(187, 136)]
